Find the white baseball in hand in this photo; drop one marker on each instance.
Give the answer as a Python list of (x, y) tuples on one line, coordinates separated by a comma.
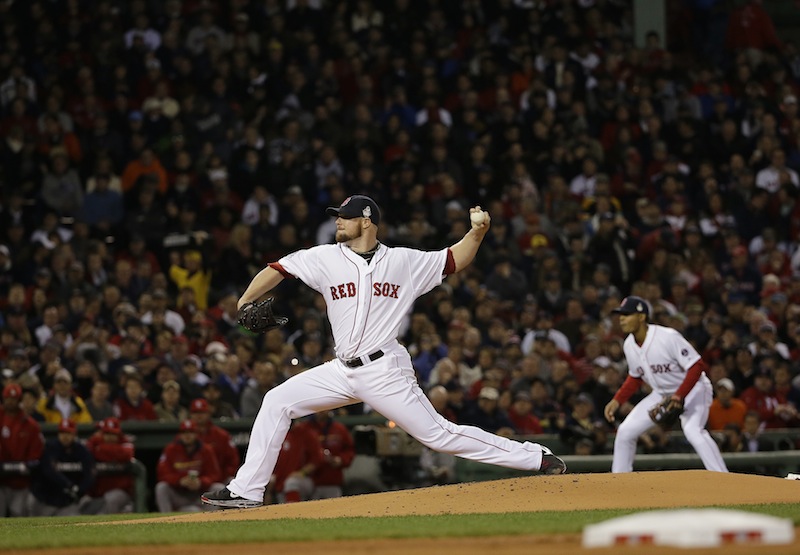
[(478, 217)]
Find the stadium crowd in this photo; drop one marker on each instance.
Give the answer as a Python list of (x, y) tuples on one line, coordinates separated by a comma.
[(155, 155)]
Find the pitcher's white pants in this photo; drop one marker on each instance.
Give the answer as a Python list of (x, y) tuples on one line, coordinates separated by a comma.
[(693, 422), (389, 386)]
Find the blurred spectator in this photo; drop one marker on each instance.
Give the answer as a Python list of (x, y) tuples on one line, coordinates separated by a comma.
[(338, 450), (133, 403), (98, 403), (521, 417), (62, 403), (726, 407), (760, 397), (191, 275), (300, 457), (21, 442), (217, 438), (112, 493), (265, 377), (582, 423), (485, 414), (63, 477), (169, 407), (218, 407), (186, 468)]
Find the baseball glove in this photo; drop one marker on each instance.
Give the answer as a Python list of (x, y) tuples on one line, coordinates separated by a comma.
[(257, 317), (667, 412)]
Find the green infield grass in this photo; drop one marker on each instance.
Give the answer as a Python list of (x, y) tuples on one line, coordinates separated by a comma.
[(21, 533)]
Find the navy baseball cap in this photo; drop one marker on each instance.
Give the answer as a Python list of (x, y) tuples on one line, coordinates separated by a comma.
[(356, 206), (633, 305)]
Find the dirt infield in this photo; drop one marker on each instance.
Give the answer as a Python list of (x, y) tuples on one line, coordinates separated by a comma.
[(569, 492)]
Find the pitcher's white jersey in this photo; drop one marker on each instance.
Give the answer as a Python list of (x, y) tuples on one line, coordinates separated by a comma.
[(366, 302), (662, 360)]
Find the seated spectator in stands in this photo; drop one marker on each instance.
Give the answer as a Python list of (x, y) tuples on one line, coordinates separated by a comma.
[(761, 398), (57, 491), (525, 423), (485, 414), (265, 377), (788, 395), (726, 408), (218, 438), (338, 450), (188, 272), (30, 398), (455, 401), (134, 404), (766, 342), (187, 467), (169, 408), (192, 380), (751, 434), (426, 353), (582, 423), (219, 408), (733, 440), (21, 442), (545, 408), (112, 492), (301, 455), (171, 319), (232, 381), (62, 403)]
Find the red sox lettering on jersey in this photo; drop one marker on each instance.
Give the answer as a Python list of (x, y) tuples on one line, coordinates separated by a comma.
[(663, 358), (384, 289), (366, 301)]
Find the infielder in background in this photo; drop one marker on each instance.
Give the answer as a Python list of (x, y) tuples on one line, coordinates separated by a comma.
[(663, 359), (369, 289)]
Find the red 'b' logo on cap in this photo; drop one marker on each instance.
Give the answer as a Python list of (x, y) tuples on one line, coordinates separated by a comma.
[(345, 201)]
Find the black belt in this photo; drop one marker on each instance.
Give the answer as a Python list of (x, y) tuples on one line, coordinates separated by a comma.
[(356, 362)]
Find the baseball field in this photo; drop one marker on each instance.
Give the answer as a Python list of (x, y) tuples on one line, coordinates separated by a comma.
[(537, 514)]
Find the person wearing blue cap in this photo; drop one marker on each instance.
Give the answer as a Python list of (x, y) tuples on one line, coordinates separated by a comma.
[(663, 359)]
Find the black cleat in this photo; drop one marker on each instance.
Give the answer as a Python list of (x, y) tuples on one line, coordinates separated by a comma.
[(227, 500), (552, 464)]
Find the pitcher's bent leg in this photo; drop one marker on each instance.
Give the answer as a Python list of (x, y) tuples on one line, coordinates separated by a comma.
[(320, 388)]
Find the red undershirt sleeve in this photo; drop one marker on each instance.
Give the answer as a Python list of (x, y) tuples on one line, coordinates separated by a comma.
[(280, 269), (627, 389), (450, 264), (691, 378)]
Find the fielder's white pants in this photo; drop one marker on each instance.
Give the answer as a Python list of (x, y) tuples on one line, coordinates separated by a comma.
[(693, 422), (389, 386)]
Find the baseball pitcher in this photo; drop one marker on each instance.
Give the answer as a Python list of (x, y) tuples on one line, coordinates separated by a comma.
[(663, 359), (368, 288)]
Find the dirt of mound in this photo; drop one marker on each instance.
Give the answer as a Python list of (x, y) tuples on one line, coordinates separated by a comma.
[(569, 492)]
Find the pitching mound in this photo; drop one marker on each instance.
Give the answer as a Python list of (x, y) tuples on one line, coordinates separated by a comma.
[(568, 492)]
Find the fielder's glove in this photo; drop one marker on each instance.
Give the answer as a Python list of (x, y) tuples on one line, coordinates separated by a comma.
[(257, 317), (667, 412)]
